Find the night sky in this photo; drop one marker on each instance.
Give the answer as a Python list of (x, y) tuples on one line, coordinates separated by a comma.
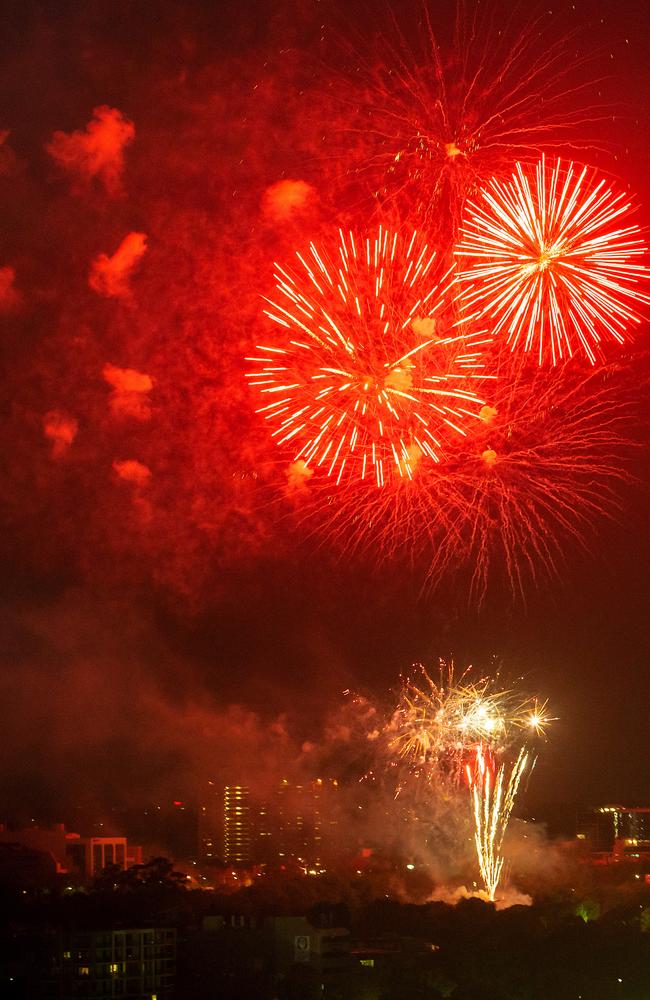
[(161, 616)]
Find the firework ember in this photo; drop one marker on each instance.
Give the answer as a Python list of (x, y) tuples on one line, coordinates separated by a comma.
[(371, 373), (552, 261)]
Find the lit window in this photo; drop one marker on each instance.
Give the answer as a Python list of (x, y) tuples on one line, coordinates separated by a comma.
[(84, 970), (66, 954), (114, 967)]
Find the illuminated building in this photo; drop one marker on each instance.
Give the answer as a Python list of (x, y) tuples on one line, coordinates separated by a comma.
[(295, 823), (93, 854), (237, 827), (303, 820), (133, 963), (210, 824), (620, 831)]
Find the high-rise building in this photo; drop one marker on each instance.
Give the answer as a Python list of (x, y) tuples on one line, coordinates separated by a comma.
[(303, 821), (210, 826), (237, 826), (294, 823)]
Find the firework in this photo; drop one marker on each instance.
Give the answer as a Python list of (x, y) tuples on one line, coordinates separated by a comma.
[(493, 790), (543, 469), (452, 727), (369, 373), (551, 258), (548, 466), (429, 120), (442, 721)]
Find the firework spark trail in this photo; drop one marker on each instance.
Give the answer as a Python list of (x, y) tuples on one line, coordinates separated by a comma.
[(369, 374), (439, 119), (493, 791), (550, 258)]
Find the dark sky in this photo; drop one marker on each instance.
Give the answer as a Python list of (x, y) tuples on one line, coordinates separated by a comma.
[(140, 601)]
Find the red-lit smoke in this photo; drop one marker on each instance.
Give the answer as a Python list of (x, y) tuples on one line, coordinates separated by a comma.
[(109, 275), (95, 153)]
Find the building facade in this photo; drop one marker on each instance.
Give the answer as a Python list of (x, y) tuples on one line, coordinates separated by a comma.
[(616, 832), (133, 963), (238, 826), (294, 823), (82, 857)]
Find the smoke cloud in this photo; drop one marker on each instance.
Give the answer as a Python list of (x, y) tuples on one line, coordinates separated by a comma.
[(109, 276), (298, 475), (61, 430), (95, 153), (132, 471), (286, 199), (96, 682), (9, 295), (131, 388), (91, 682)]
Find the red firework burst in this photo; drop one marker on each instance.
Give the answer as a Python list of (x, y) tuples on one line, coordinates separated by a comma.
[(549, 464), (429, 121), (370, 374), (550, 260), (546, 464)]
